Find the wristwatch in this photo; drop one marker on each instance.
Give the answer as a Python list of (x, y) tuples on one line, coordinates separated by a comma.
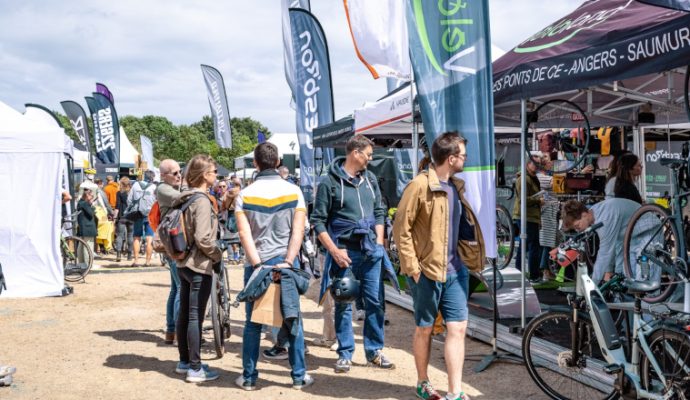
[(255, 266)]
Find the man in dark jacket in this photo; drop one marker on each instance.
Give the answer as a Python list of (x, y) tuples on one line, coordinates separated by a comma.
[(348, 217), (270, 220)]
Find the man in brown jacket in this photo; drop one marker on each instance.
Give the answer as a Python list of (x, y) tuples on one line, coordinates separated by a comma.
[(438, 240)]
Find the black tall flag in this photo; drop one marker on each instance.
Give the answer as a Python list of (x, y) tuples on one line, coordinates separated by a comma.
[(106, 128), (78, 120)]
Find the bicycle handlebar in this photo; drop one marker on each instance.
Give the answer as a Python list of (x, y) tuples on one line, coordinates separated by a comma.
[(574, 243)]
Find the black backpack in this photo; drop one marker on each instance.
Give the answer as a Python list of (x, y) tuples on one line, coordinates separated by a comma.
[(172, 231)]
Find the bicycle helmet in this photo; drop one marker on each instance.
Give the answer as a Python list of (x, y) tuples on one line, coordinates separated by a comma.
[(345, 287), (90, 171)]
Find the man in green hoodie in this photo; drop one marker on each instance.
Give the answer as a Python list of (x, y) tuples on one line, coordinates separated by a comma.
[(348, 217)]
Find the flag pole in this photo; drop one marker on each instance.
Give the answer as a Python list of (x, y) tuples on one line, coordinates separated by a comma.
[(415, 129)]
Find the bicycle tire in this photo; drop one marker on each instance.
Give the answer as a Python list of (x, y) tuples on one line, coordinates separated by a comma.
[(505, 237), (75, 271), (226, 303), (560, 121), (218, 342), (675, 375), (547, 328), (666, 232), (487, 274)]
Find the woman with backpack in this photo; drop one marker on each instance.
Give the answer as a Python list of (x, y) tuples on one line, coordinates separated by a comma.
[(124, 226), (196, 267), (87, 221)]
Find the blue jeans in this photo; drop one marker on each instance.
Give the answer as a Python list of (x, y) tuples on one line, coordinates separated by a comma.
[(533, 250), (173, 305), (368, 271), (252, 336)]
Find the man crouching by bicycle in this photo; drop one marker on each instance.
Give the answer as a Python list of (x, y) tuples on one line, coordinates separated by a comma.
[(615, 214), (270, 219)]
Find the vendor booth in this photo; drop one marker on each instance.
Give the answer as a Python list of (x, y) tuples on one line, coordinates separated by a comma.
[(31, 153), (288, 150)]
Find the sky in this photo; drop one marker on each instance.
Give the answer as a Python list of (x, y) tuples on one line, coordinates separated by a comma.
[(148, 53)]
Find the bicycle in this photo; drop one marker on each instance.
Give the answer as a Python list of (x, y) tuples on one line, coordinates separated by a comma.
[(662, 236), (220, 308), (77, 256), (584, 335)]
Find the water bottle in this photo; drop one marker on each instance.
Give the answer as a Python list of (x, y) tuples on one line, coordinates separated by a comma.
[(644, 268)]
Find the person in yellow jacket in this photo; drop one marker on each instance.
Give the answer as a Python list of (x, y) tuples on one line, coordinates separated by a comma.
[(439, 240)]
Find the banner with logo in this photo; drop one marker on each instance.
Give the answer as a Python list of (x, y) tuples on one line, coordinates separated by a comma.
[(313, 92), (599, 42), (450, 49), (379, 33), (288, 54), (106, 129), (146, 151), (77, 118), (219, 106), (102, 89)]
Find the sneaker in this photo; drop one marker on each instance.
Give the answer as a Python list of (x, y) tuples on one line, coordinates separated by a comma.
[(427, 392), (169, 337), (276, 353), (360, 314), (183, 367), (202, 375), (321, 342), (381, 361), (461, 396), (305, 382), (6, 380), (343, 365), (547, 275), (7, 370), (334, 346), (246, 385)]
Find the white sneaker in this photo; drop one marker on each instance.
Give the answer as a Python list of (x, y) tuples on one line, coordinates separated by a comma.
[(6, 380), (306, 382), (7, 370), (246, 385), (360, 314)]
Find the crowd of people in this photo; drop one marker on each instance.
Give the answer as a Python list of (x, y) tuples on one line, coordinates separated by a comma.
[(270, 219)]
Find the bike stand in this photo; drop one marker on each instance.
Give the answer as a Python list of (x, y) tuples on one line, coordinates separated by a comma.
[(495, 356)]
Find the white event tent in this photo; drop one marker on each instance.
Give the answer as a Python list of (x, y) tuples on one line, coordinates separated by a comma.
[(31, 153)]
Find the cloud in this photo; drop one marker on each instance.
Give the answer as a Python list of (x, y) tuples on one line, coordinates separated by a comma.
[(148, 53)]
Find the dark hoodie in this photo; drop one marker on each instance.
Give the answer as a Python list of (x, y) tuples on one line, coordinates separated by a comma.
[(339, 196)]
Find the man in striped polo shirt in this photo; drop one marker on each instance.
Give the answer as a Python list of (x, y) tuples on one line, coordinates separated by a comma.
[(270, 220)]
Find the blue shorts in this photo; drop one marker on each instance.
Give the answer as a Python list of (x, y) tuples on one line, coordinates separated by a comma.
[(142, 228), (450, 298)]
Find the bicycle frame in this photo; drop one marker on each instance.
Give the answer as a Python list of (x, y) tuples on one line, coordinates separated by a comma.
[(607, 335)]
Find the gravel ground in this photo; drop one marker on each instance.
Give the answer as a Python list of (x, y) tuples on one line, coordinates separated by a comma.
[(105, 341)]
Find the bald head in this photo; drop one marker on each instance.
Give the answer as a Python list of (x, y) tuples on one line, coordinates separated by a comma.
[(170, 172)]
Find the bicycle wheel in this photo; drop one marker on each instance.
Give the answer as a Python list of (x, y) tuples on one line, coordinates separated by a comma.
[(559, 126), (652, 233), (217, 317), (550, 335), (488, 276), (77, 258), (226, 303), (671, 350), (504, 237)]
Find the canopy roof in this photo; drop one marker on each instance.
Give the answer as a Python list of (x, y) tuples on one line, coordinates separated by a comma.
[(609, 57), (387, 121)]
